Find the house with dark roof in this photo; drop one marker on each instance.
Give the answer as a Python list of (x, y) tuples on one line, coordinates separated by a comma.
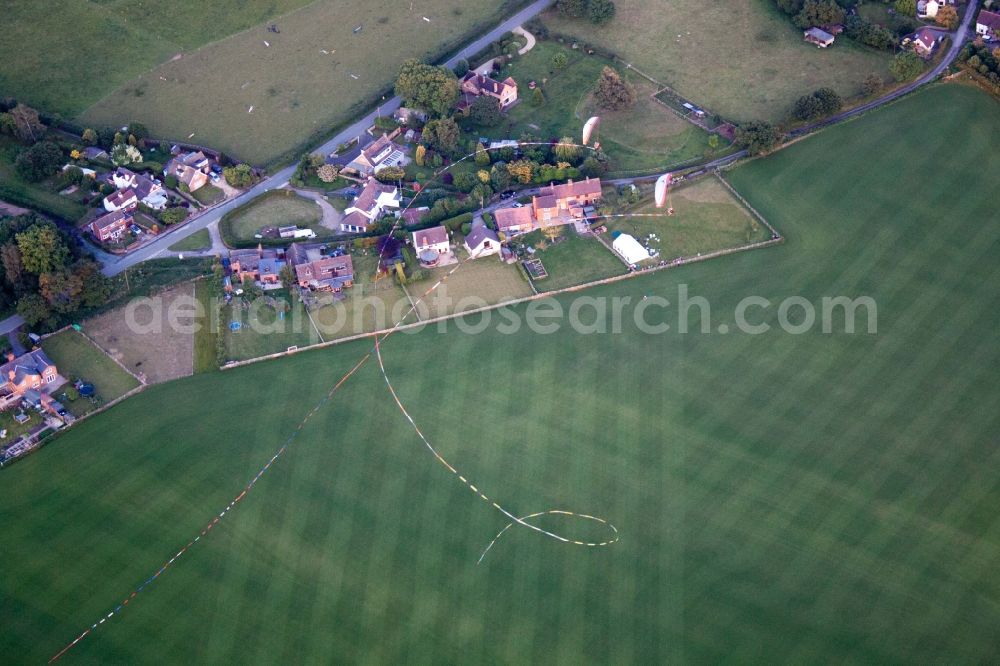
[(924, 42), (481, 241), (260, 265), (988, 24), (31, 371), (110, 227), (434, 239), (477, 85)]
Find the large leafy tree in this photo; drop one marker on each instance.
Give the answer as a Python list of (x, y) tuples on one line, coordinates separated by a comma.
[(39, 161), (485, 111), (240, 175), (819, 12), (35, 310), (906, 65), (434, 89), (566, 150), (27, 125), (62, 290), (613, 92), (600, 11), (42, 249), (757, 136), (442, 135)]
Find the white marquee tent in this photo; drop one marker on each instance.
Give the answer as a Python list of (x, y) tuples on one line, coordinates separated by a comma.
[(630, 249)]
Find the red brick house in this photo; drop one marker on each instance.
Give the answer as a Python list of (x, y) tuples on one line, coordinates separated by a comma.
[(476, 85), (317, 270), (111, 227), (557, 201)]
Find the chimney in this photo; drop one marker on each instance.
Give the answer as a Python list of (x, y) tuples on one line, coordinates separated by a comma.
[(260, 250), (10, 356)]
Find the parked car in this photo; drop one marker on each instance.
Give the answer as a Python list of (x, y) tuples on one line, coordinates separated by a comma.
[(518, 204), (214, 176), (216, 168), (136, 229)]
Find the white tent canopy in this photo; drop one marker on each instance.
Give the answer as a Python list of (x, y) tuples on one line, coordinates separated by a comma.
[(630, 249)]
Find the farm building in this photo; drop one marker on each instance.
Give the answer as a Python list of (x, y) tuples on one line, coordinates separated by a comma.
[(629, 249), (820, 38)]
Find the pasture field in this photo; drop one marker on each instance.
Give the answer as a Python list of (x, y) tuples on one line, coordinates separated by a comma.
[(315, 73), (780, 498), (742, 60), (158, 352), (643, 137), (77, 357), (72, 53), (706, 218), (278, 208)]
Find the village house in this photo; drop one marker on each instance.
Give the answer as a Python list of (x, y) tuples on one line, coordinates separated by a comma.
[(110, 227), (147, 191), (476, 85), (513, 221), (819, 37), (121, 200), (481, 241), (191, 169), (31, 371), (431, 245), (565, 200), (925, 41), (260, 265), (374, 199), (319, 269), (378, 155), (988, 24)]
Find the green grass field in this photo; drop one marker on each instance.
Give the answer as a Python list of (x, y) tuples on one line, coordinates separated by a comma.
[(265, 329), (199, 240), (208, 194), (741, 60), (275, 209), (299, 82), (78, 358), (781, 498)]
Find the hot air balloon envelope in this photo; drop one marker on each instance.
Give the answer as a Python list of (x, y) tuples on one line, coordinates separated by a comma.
[(662, 189), (589, 127)]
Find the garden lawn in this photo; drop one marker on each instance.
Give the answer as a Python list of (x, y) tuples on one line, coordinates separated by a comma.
[(574, 260), (743, 60), (780, 498), (264, 328), (479, 282), (640, 138), (208, 194), (76, 357), (40, 196), (279, 208), (316, 73), (370, 305), (706, 218), (199, 240)]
